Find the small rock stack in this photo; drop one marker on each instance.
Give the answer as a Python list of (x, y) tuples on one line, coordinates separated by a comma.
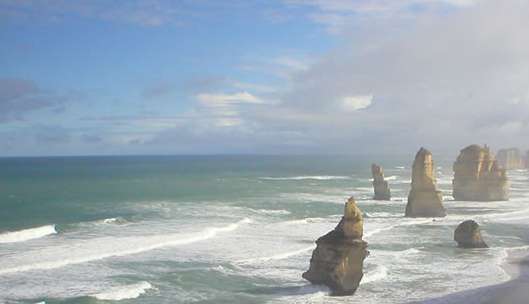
[(338, 259), (468, 235), (424, 200), (380, 186)]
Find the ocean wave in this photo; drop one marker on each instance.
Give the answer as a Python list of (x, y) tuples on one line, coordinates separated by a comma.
[(270, 211), (307, 177), (118, 293), (107, 247), (279, 256), (404, 222), (377, 274), (27, 234)]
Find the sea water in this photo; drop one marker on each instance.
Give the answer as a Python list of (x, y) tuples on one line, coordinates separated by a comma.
[(237, 229)]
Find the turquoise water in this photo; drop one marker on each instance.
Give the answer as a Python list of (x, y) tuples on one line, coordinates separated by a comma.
[(237, 229)]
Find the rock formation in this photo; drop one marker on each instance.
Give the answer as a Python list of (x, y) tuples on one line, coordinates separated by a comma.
[(468, 235), (477, 176), (339, 256), (380, 186), (510, 159), (424, 200)]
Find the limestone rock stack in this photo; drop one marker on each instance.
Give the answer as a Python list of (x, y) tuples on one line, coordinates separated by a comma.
[(424, 199), (380, 186), (477, 176), (468, 235), (510, 159), (338, 259)]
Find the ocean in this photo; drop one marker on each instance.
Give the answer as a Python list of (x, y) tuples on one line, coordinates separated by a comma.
[(232, 229)]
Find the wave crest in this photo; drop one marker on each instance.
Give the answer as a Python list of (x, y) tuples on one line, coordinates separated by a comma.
[(131, 291), (27, 234)]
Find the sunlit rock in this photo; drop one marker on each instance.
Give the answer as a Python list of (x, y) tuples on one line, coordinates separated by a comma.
[(477, 176), (338, 259), (424, 199)]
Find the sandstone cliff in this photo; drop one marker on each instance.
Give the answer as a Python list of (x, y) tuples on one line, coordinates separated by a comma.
[(380, 186), (477, 176), (338, 259), (424, 200), (510, 159), (468, 235)]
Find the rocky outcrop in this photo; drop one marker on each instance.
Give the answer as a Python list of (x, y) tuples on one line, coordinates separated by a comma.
[(380, 186), (468, 235), (510, 159), (477, 176), (424, 200), (338, 259)]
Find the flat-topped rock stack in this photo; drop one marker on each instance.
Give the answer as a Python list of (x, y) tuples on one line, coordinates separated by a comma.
[(510, 159), (424, 199), (338, 259), (477, 176), (380, 185)]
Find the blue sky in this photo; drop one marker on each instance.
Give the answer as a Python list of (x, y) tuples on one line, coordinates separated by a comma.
[(292, 76)]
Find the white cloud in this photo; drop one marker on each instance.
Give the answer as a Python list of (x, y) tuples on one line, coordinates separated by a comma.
[(227, 99), (355, 103)]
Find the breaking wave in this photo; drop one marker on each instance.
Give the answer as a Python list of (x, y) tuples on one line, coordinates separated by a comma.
[(27, 234), (118, 293), (106, 247)]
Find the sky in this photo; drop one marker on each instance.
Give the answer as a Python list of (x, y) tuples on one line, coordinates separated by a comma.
[(97, 77)]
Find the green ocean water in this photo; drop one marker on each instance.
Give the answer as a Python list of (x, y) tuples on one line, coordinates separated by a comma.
[(230, 229)]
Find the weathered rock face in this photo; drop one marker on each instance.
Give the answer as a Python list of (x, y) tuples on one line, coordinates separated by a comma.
[(468, 235), (380, 186), (510, 159), (424, 200), (477, 176), (338, 259)]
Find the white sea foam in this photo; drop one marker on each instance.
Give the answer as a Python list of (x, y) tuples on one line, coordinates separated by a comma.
[(131, 291), (403, 222), (308, 177), (377, 274), (279, 256), (270, 211), (27, 234), (106, 247)]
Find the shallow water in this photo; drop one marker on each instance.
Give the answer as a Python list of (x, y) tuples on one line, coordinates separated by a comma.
[(230, 230)]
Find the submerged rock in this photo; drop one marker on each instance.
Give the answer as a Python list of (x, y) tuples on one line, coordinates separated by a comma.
[(424, 199), (510, 159), (338, 259), (380, 186), (468, 235), (477, 176)]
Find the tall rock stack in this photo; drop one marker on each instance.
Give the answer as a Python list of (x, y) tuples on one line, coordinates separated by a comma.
[(338, 259), (510, 159), (424, 200), (477, 176), (380, 186)]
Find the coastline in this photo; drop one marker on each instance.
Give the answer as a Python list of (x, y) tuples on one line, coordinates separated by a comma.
[(514, 291)]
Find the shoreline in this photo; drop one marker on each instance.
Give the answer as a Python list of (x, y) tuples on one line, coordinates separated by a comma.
[(513, 291)]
